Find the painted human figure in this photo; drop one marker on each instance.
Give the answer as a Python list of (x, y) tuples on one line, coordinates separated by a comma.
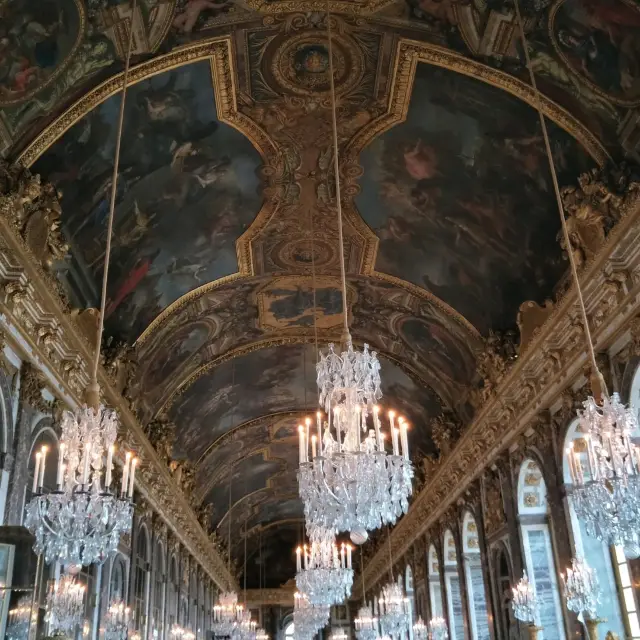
[(187, 18)]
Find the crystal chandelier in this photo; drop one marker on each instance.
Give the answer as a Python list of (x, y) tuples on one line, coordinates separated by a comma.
[(394, 610), (606, 481), (347, 480), (438, 628), (351, 483), (65, 605), (581, 590), (20, 619), (608, 500), (366, 624), (524, 603), (339, 634), (324, 574), (420, 630), (308, 618), (247, 628), (227, 614), (117, 621), (81, 523)]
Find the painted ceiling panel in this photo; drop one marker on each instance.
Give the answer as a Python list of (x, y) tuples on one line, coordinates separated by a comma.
[(259, 383), (461, 198), (188, 187), (434, 343)]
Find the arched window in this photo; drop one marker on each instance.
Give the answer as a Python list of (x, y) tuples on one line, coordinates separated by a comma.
[(117, 580), (193, 602), (503, 583), (44, 437), (538, 553), (452, 584), (435, 593), (289, 631), (172, 598), (141, 581), (475, 579), (597, 554), (158, 592), (201, 608), (408, 583)]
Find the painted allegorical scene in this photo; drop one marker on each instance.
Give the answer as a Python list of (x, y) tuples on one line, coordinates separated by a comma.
[(600, 41), (270, 380), (188, 187), (461, 199), (37, 40)]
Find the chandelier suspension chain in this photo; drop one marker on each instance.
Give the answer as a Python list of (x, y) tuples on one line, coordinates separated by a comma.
[(233, 414), (597, 376), (389, 547), (313, 281), (336, 169), (364, 599), (112, 205), (245, 561)]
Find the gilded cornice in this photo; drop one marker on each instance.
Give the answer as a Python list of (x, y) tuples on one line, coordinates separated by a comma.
[(611, 288), (34, 315), (282, 596)]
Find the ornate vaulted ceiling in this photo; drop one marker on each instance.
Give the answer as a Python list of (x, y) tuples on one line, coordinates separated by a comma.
[(225, 230)]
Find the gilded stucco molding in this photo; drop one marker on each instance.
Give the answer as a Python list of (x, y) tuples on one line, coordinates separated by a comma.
[(34, 317), (611, 287), (271, 597)]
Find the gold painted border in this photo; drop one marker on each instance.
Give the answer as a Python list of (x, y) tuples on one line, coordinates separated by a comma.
[(82, 28), (351, 7), (589, 83)]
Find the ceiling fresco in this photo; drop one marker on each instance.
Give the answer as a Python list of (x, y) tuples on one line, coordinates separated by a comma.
[(447, 191), (225, 266), (189, 186)]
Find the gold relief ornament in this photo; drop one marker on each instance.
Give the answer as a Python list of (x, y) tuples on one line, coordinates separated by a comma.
[(595, 205), (119, 361), (494, 516), (446, 429), (33, 209), (161, 432)]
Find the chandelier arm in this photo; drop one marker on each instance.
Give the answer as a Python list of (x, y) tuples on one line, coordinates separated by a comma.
[(336, 169), (92, 391), (597, 381)]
